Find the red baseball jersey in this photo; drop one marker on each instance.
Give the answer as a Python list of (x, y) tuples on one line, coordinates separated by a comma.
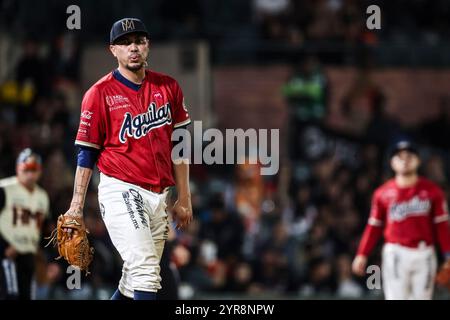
[(408, 216), (132, 126)]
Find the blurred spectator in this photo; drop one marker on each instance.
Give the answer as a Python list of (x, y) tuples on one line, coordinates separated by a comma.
[(273, 18), (320, 276), (32, 78), (434, 131), (249, 190), (362, 101), (435, 169), (65, 56), (325, 22), (224, 229), (174, 257), (186, 14), (303, 202), (347, 286), (353, 22), (306, 95), (306, 92), (381, 127), (241, 278), (274, 269)]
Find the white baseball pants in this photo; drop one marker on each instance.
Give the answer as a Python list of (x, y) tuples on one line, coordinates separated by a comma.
[(138, 225), (408, 273)]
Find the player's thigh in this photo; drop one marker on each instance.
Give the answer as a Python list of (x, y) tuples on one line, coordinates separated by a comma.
[(159, 247), (128, 228), (160, 231), (423, 276), (159, 225), (394, 274)]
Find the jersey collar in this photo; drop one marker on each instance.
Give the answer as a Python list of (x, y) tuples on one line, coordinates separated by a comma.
[(119, 77)]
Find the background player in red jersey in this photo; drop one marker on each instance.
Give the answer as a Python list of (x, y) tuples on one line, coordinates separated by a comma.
[(413, 214), (126, 124)]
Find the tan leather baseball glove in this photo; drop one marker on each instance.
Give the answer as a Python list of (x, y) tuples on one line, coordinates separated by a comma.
[(74, 246), (443, 275)]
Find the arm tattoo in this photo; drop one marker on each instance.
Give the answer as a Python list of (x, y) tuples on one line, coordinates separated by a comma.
[(82, 178)]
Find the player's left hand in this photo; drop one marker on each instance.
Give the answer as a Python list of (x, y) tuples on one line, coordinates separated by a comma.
[(73, 212), (182, 212)]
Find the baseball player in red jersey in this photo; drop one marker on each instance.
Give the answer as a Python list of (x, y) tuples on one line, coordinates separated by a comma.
[(412, 213), (127, 119)]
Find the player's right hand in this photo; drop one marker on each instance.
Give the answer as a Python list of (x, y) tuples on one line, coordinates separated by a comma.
[(359, 265), (182, 212), (10, 253)]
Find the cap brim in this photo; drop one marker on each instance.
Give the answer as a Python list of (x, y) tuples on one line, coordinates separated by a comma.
[(410, 149), (33, 166), (129, 32)]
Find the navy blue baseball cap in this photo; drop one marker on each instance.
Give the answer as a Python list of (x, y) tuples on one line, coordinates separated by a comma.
[(404, 144), (126, 26)]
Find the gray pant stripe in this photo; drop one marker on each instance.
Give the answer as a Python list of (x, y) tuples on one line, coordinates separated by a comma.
[(5, 264)]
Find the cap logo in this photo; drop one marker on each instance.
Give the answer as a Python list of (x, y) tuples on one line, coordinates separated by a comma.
[(403, 144), (127, 24)]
